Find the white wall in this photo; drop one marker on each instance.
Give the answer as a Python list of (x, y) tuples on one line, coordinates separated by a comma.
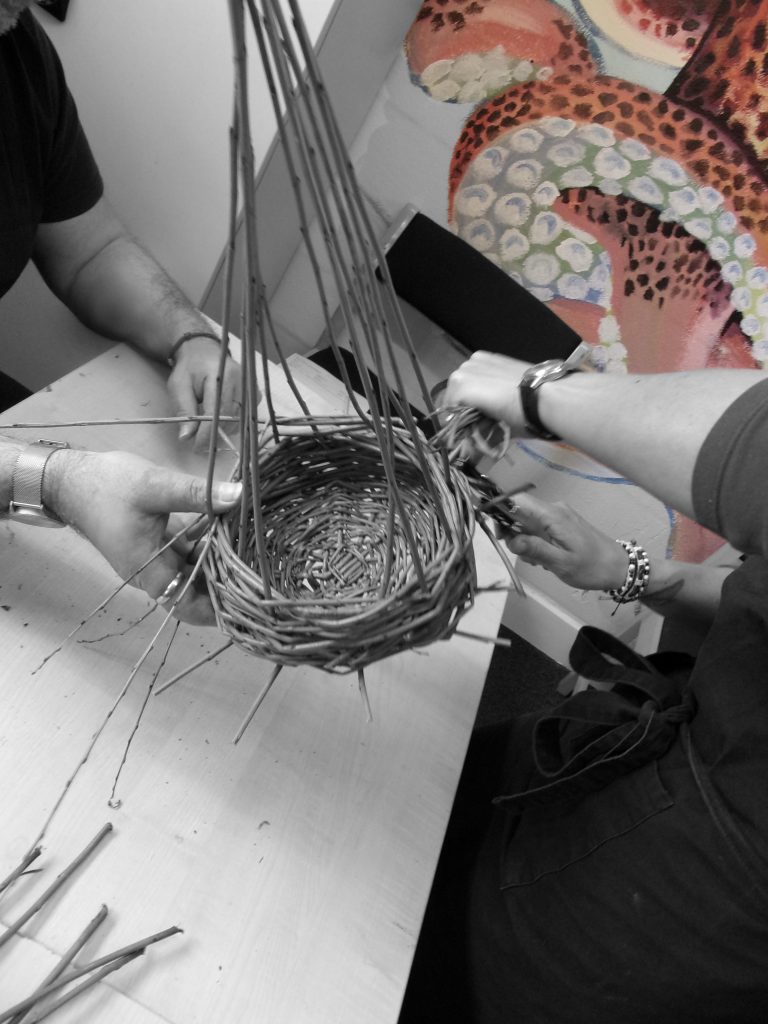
[(153, 83)]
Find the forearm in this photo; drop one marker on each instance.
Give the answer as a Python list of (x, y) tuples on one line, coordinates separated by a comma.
[(124, 294), (681, 588), (648, 428), (113, 285)]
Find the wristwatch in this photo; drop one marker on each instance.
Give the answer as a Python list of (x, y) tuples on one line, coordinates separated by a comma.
[(542, 373), (26, 503)]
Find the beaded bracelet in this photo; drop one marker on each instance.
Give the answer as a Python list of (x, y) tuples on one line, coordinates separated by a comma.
[(188, 337), (638, 574)]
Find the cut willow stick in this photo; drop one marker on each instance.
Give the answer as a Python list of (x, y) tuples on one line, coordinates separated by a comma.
[(117, 633), (95, 737), (120, 422), (355, 275), (500, 641), (254, 284), (191, 668), (84, 986), (499, 548), (66, 959), (135, 947), (135, 670), (257, 703), (121, 586), (112, 802), (233, 143), (364, 694), (28, 858), (55, 885)]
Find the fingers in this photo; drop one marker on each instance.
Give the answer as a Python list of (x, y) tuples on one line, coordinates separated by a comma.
[(182, 392), (536, 551), (167, 580), (538, 517)]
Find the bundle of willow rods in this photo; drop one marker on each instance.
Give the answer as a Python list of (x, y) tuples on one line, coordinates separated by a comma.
[(354, 537)]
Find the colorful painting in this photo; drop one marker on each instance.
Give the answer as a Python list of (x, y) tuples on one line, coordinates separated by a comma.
[(613, 161)]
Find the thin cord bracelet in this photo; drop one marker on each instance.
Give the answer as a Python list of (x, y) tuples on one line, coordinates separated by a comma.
[(188, 337), (638, 574)]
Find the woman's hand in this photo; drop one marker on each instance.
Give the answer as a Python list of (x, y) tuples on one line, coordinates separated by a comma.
[(489, 383), (557, 538), (121, 503)]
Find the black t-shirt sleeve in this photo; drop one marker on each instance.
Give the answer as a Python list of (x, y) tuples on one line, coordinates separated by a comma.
[(72, 182), (730, 480)]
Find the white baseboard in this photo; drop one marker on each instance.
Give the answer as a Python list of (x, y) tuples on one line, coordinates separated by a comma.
[(549, 627)]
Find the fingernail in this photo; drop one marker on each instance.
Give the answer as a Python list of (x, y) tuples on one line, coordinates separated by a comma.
[(186, 430), (229, 492)]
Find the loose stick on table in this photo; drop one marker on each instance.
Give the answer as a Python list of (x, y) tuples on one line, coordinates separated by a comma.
[(257, 703), (58, 882), (364, 694), (191, 668), (66, 959), (20, 869), (119, 954), (500, 641), (46, 1011)]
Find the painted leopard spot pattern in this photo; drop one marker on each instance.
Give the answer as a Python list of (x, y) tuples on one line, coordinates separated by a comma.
[(727, 77), (679, 20), (631, 112), (451, 13), (663, 262)]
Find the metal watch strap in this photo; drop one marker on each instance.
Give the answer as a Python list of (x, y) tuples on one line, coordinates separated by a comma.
[(27, 483), (543, 373)]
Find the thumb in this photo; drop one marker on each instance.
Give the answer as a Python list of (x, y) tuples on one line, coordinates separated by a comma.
[(168, 492)]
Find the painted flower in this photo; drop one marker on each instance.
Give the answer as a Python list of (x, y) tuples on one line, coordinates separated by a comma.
[(575, 253), (513, 209), (541, 268)]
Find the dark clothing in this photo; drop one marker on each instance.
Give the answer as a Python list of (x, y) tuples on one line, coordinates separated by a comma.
[(47, 170), (647, 899)]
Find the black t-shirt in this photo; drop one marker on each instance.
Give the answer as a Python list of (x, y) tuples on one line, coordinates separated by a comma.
[(47, 170)]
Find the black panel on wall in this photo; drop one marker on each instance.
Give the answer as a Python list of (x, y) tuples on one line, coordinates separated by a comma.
[(58, 8)]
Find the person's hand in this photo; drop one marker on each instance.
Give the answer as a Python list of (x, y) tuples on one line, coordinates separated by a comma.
[(121, 503), (192, 387), (489, 383), (557, 538)]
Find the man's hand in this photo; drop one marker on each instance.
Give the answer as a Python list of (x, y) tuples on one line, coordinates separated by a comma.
[(192, 387), (121, 504), (115, 287)]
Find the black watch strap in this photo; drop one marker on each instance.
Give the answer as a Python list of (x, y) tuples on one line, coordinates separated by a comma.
[(529, 399), (543, 373)]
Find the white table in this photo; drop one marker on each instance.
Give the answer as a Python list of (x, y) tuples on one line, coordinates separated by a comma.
[(298, 862)]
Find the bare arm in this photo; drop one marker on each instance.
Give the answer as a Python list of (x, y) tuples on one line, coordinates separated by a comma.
[(116, 288), (648, 428)]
